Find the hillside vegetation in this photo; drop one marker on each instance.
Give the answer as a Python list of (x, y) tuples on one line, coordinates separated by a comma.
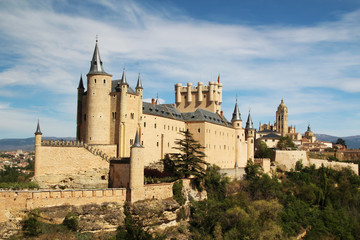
[(318, 203)]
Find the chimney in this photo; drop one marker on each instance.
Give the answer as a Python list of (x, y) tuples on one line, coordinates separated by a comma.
[(153, 101), (222, 113)]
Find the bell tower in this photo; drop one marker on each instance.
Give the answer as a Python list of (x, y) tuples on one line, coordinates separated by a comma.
[(282, 122)]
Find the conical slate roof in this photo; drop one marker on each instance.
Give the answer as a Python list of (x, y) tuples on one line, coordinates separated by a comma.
[(139, 84), (137, 140), (96, 63), (249, 122), (123, 79), (236, 115), (81, 84), (38, 131)]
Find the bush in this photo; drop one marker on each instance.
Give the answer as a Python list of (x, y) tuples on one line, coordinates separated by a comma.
[(71, 221), (31, 226), (177, 192), (19, 185)]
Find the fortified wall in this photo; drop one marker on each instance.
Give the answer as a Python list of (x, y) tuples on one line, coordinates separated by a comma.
[(13, 203), (286, 160), (81, 165)]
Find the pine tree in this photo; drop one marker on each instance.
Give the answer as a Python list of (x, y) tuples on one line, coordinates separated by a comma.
[(190, 159)]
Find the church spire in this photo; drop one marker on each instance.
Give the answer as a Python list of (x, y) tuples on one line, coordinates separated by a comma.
[(236, 115), (81, 84), (308, 128), (38, 129), (249, 122), (139, 84), (96, 63)]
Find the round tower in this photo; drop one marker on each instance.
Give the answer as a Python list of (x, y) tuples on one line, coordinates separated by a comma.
[(38, 136), (123, 115), (237, 124), (136, 181), (250, 137), (98, 102)]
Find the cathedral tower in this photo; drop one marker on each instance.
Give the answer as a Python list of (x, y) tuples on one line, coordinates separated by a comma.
[(282, 119), (97, 118)]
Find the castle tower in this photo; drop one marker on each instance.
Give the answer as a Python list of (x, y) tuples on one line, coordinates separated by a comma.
[(38, 136), (81, 91), (136, 183), (240, 159), (139, 92), (123, 115), (250, 137), (189, 98), (98, 102), (282, 119)]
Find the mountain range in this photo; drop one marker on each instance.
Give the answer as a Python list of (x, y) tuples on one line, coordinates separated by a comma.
[(27, 144)]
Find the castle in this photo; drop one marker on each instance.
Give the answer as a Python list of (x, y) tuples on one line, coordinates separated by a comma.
[(110, 114)]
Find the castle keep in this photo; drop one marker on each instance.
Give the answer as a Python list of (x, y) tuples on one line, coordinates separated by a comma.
[(110, 113)]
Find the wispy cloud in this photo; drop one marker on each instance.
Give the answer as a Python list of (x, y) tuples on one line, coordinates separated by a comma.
[(54, 46)]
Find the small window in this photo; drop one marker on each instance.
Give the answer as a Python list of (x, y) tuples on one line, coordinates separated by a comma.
[(131, 115), (198, 130), (155, 125), (144, 124), (238, 136), (104, 81), (157, 144), (142, 143), (94, 80), (238, 124), (131, 141), (168, 144)]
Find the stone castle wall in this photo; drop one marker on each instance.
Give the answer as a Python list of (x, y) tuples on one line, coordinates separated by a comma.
[(286, 160), (81, 166), (14, 202)]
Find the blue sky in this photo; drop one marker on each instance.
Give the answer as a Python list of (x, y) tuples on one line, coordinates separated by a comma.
[(306, 52)]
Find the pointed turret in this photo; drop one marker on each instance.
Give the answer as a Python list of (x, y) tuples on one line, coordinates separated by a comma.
[(96, 63), (38, 129), (249, 122), (236, 114), (139, 84), (137, 140), (123, 79), (81, 84)]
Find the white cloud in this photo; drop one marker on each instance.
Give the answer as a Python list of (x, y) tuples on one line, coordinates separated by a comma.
[(55, 47)]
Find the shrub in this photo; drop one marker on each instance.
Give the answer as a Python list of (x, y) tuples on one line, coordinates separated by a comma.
[(177, 192), (31, 226), (71, 221)]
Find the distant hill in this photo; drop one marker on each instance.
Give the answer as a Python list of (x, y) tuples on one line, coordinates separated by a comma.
[(352, 141), (26, 144)]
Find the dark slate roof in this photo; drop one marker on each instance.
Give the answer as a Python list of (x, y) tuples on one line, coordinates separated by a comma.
[(236, 114), (271, 136), (249, 122), (203, 115), (266, 131), (163, 110), (96, 63), (139, 84), (38, 131), (114, 83)]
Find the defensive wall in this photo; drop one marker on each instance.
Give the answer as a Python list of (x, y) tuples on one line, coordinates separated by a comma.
[(286, 160), (14, 202), (81, 165)]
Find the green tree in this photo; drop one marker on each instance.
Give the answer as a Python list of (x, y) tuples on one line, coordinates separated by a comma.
[(262, 151), (284, 143), (190, 159), (341, 142)]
